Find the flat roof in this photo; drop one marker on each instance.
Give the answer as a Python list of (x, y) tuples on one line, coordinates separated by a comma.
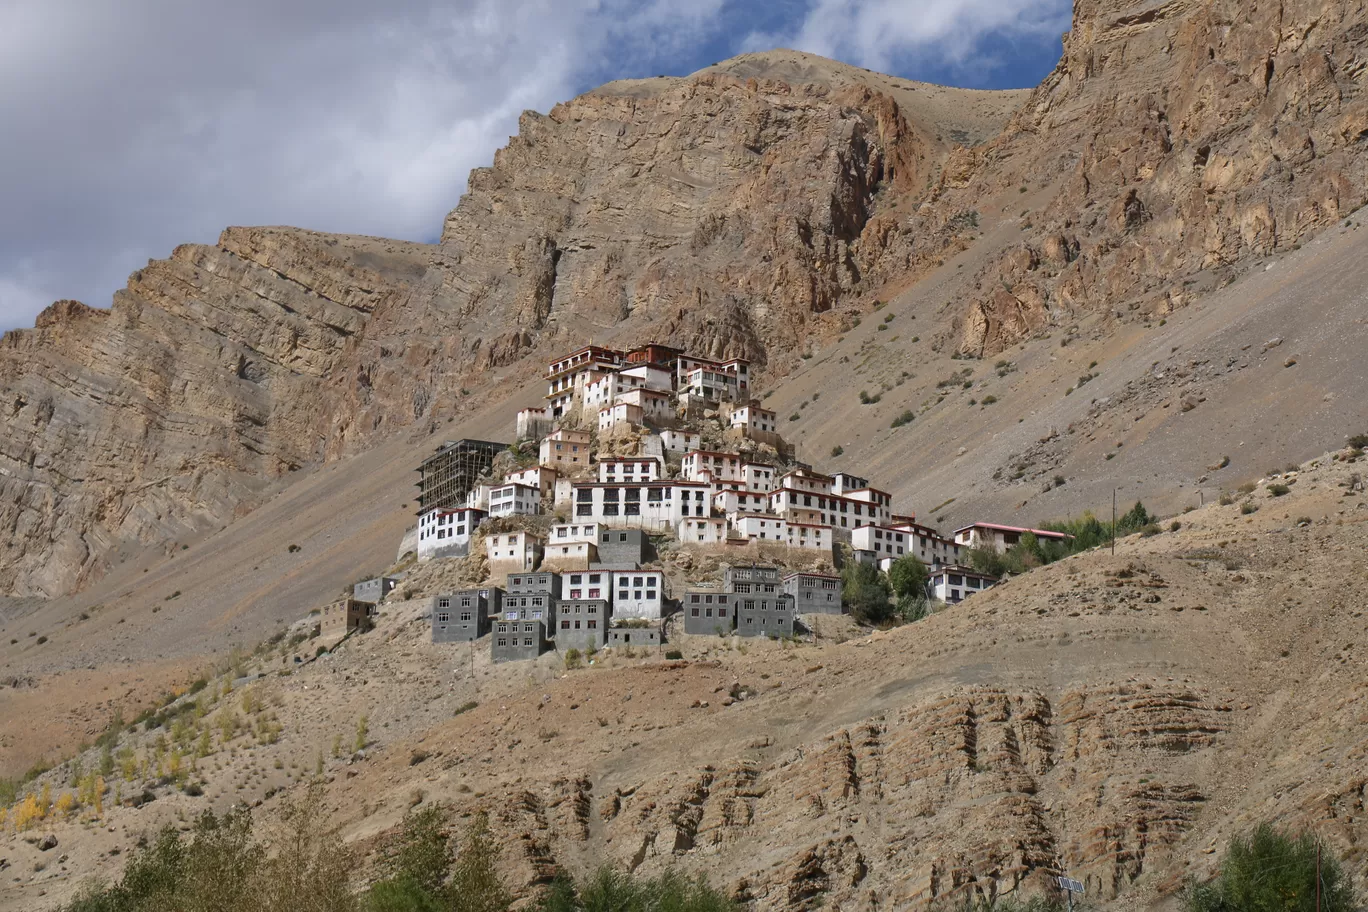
[(998, 527), (963, 571)]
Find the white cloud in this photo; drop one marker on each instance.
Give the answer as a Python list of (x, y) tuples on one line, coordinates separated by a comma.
[(884, 34), (149, 123), (131, 127)]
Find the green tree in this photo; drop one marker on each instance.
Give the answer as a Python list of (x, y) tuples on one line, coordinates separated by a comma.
[(865, 592), (913, 608), (1134, 519), (311, 870), (475, 885), (1273, 871), (908, 575), (416, 866)]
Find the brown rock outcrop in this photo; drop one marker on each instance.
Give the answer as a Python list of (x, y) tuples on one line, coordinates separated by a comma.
[(724, 211), (1191, 136)]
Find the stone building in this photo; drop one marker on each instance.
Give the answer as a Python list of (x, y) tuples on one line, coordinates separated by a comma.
[(814, 593), (708, 612), (581, 624), (462, 616), (373, 591), (764, 615), (634, 636), (517, 640), (345, 615), (748, 578), (623, 547)]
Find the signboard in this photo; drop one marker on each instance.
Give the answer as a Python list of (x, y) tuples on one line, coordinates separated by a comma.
[(1069, 884)]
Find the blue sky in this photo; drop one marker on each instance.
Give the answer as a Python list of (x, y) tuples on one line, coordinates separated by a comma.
[(149, 123)]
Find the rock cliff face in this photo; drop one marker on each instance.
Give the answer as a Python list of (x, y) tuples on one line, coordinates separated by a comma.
[(717, 211), (751, 209), (1192, 138), (163, 414)]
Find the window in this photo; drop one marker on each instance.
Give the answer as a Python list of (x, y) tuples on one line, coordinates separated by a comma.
[(693, 612), (565, 625), (443, 617), (466, 617), (527, 641), (503, 641), (591, 624)]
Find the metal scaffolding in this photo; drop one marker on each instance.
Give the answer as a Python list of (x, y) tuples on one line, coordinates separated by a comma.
[(447, 476)]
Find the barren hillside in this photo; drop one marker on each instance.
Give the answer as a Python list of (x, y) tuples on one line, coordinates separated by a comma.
[(1113, 717), (1145, 276)]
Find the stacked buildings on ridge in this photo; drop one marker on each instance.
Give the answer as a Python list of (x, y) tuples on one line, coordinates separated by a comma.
[(620, 458)]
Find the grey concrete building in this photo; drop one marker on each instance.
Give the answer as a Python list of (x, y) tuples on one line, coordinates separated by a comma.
[(708, 612), (751, 578), (531, 583), (814, 593), (463, 616), (372, 591), (532, 596), (764, 615), (634, 636), (539, 606), (623, 548), (517, 640), (581, 624)]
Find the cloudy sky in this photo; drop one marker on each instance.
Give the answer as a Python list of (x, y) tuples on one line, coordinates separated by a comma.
[(129, 127)]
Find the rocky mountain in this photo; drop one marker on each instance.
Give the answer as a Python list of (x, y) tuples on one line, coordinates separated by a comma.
[(730, 210), (756, 207), (1180, 140)]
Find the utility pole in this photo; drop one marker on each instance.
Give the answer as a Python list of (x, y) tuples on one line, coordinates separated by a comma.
[(1318, 851), (1113, 522)]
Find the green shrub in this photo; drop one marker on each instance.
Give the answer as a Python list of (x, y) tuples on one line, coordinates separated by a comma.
[(865, 591), (1358, 442), (572, 658), (611, 891), (904, 419), (988, 400), (673, 655), (1278, 490), (837, 451), (221, 865), (1150, 530), (1175, 526), (1273, 871), (907, 576), (1246, 508)]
